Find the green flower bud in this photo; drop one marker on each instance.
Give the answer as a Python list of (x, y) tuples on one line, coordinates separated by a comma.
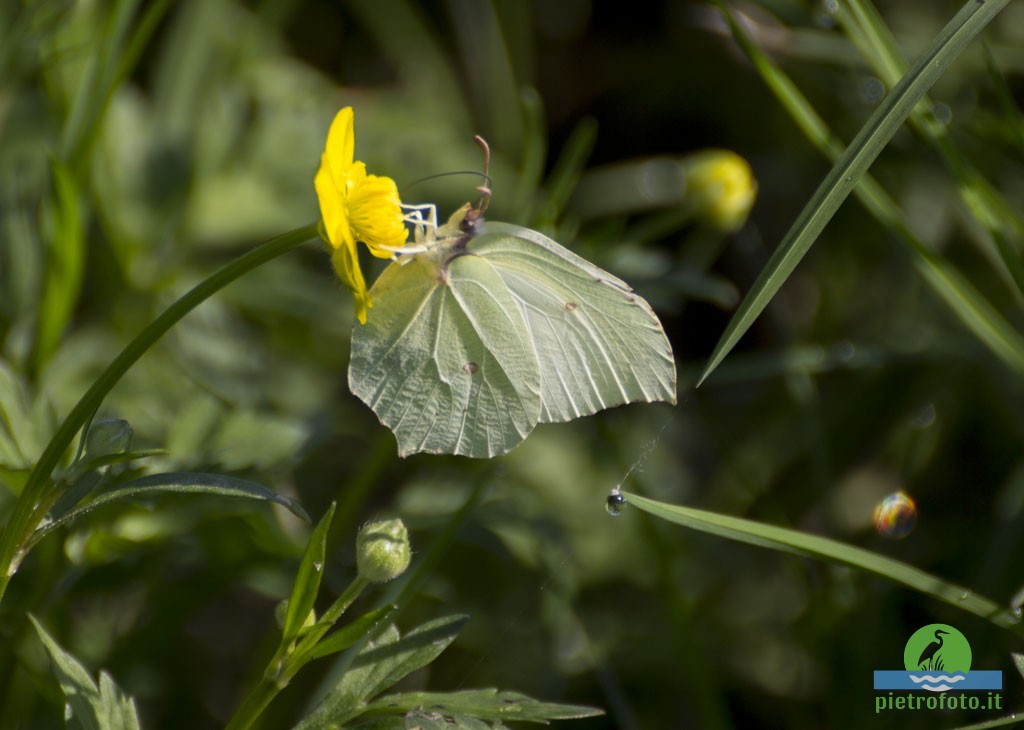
[(108, 436), (382, 550)]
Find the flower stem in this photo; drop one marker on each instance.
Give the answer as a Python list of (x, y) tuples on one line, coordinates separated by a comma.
[(39, 491)]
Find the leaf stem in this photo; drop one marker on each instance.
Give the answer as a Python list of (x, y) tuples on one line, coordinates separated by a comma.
[(39, 491)]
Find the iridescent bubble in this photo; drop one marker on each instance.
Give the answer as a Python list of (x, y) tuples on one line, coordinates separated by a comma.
[(615, 504), (895, 516)]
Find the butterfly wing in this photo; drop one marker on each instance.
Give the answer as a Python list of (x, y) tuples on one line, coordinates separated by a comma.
[(445, 360), (598, 344)]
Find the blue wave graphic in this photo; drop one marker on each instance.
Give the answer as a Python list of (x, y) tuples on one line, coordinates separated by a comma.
[(978, 679)]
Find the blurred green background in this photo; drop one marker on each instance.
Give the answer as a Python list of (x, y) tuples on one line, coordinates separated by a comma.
[(144, 143)]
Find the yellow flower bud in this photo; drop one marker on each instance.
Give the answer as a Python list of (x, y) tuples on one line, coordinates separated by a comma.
[(721, 188)]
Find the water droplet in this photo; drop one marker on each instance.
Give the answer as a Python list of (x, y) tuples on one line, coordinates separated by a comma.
[(317, 566), (844, 351), (895, 516), (924, 417), (871, 90), (824, 16), (943, 113), (965, 595), (615, 504), (1017, 603)]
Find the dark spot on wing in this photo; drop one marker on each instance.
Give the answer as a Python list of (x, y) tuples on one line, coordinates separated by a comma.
[(470, 368), (571, 306)]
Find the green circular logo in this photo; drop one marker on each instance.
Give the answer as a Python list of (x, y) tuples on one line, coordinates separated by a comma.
[(937, 648)]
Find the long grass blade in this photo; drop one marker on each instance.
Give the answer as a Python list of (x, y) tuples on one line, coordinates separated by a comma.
[(852, 166), (823, 548), (35, 500)]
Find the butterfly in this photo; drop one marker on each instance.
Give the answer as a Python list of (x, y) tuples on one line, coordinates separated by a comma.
[(492, 328)]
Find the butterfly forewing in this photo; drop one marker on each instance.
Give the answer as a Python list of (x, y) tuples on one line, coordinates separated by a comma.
[(597, 343), (445, 360)]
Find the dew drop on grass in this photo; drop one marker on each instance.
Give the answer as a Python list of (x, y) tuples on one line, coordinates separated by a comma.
[(615, 504)]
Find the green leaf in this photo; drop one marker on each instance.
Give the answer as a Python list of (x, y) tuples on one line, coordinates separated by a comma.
[(123, 457), (307, 579), (423, 720), (174, 483), (473, 342), (383, 662), (485, 704), (346, 636), (89, 707), (852, 166), (814, 546)]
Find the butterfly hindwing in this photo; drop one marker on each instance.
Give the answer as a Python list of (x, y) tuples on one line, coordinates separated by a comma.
[(445, 359)]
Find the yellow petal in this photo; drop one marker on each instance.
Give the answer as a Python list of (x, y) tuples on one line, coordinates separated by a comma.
[(341, 145), (346, 264), (375, 215), (355, 207), (333, 205)]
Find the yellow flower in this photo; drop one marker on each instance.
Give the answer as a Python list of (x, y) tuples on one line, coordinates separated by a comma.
[(355, 207), (722, 187)]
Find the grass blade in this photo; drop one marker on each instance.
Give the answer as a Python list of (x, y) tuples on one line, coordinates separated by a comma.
[(852, 166), (35, 499), (988, 206), (823, 548), (952, 287)]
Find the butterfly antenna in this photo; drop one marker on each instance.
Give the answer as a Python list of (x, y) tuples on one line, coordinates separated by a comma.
[(485, 189)]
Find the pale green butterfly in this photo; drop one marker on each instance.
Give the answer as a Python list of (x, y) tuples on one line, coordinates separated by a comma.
[(492, 328)]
